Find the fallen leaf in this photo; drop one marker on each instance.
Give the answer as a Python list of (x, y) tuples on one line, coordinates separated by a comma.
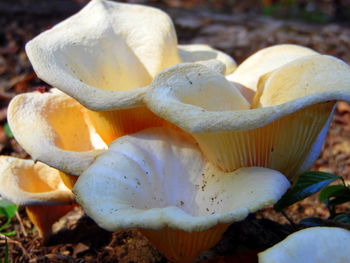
[(79, 248)]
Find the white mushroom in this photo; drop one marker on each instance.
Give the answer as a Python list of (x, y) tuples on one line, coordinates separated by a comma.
[(200, 52), (285, 127), (105, 56), (264, 61), (55, 129), (39, 188), (311, 245), (157, 180)]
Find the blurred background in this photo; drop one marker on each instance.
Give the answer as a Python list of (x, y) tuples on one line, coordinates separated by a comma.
[(238, 28)]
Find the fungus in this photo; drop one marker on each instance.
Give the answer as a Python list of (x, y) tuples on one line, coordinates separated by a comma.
[(55, 129), (282, 127), (315, 244), (157, 180), (124, 76), (200, 52), (39, 188), (264, 61), (105, 56)]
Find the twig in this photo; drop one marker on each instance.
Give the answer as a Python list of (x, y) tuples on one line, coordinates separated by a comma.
[(289, 219), (21, 224)]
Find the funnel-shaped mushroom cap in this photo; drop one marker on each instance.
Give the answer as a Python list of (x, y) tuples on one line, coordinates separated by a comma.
[(105, 55), (192, 90), (311, 245), (319, 76), (24, 182), (54, 128), (163, 180), (101, 54), (38, 187), (265, 60), (297, 102), (158, 180), (200, 52)]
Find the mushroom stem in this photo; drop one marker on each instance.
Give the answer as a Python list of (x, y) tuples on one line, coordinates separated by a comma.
[(179, 246), (44, 216), (68, 180), (114, 124)]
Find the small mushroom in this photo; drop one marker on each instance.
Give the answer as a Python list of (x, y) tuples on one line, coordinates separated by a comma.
[(311, 245), (282, 128), (157, 180), (105, 56), (39, 188)]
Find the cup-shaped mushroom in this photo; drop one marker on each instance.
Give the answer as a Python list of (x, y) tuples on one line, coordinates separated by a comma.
[(39, 188), (203, 53), (157, 180), (105, 55), (315, 244), (285, 128), (264, 61), (55, 129), (102, 54)]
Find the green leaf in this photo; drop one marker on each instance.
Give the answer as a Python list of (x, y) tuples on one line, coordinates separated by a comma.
[(7, 209), (8, 131), (338, 200), (6, 259), (308, 184), (11, 233), (6, 254), (335, 195), (312, 221), (342, 217), (332, 191), (6, 224)]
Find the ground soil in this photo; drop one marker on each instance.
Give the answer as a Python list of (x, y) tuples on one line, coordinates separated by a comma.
[(80, 239)]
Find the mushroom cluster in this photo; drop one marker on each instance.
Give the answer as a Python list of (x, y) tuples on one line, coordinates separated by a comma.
[(174, 140)]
